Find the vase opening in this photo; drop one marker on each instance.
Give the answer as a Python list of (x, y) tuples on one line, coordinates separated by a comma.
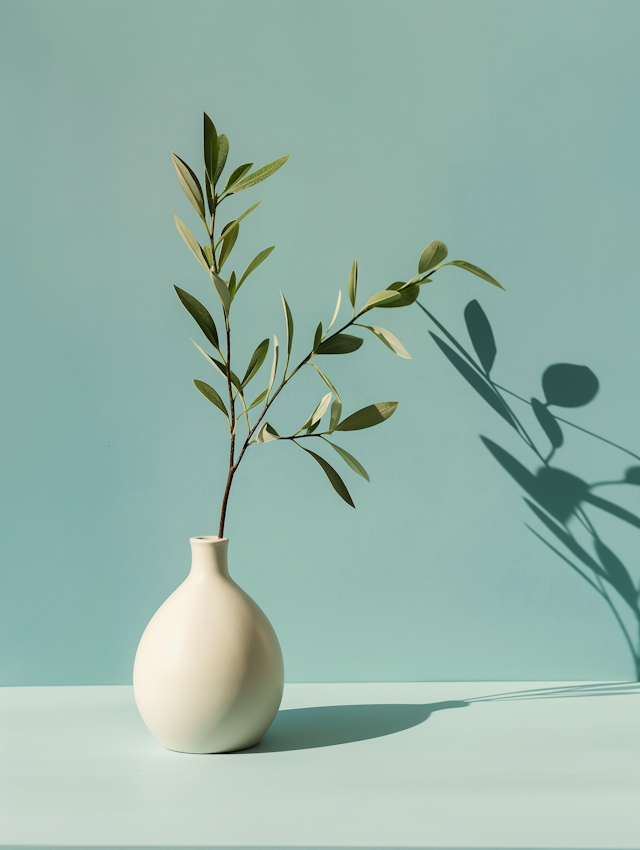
[(210, 538)]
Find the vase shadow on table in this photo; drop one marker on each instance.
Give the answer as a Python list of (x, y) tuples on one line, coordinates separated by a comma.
[(331, 725)]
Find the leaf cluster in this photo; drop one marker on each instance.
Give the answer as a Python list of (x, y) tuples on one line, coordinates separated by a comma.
[(215, 254)]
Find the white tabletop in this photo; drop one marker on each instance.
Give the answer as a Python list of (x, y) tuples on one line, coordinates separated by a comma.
[(549, 765)]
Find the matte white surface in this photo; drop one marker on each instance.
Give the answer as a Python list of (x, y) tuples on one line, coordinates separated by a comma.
[(550, 768)]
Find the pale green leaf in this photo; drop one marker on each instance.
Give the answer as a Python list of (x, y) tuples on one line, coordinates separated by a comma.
[(336, 482), (320, 410), (190, 184), (210, 148), (200, 314), (191, 241), (387, 296), (336, 311), (256, 361), (215, 363), (369, 416), (353, 284), (222, 290), (208, 253), (274, 363), (469, 267), (326, 380), (349, 458), (389, 340), (267, 433), (214, 397), (434, 253), (259, 175)]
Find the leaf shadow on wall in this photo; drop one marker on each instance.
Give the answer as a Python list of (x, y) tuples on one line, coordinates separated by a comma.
[(565, 507)]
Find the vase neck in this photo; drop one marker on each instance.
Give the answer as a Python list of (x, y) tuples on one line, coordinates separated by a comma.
[(209, 557)]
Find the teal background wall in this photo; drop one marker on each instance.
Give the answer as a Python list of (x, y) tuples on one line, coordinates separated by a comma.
[(509, 130)]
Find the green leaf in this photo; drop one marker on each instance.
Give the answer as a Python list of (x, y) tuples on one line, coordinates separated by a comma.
[(568, 385), (353, 463), (477, 382), (258, 399), (216, 363), (208, 253), (336, 482), (353, 284), (340, 344), (274, 364), (200, 314), (336, 311), (222, 290), (480, 334), (289, 321), (235, 222), (336, 413), (190, 184), (318, 336), (256, 361), (408, 294), (548, 423), (191, 241), (223, 151), (387, 296), (369, 416), (469, 267), (210, 149), (236, 174), (227, 245), (267, 433), (235, 380), (326, 380), (259, 175), (209, 193), (253, 265), (232, 285), (210, 394), (434, 253), (389, 340)]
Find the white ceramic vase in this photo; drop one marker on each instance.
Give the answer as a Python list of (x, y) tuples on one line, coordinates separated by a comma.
[(208, 675)]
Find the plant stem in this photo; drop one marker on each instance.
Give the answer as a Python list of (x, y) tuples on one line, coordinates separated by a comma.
[(233, 465)]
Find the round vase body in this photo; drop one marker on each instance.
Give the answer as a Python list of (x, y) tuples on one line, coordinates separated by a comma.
[(208, 674)]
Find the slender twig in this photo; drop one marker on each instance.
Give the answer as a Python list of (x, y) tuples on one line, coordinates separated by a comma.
[(233, 465)]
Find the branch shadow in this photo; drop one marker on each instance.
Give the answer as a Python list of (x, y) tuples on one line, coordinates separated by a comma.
[(331, 725)]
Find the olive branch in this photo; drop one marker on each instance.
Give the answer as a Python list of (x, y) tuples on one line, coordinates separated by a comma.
[(213, 257)]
